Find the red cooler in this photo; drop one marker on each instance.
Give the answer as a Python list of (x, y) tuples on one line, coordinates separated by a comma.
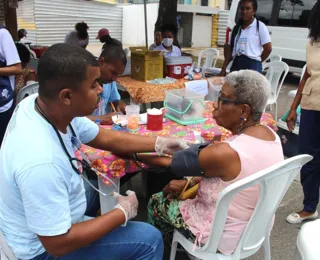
[(177, 67)]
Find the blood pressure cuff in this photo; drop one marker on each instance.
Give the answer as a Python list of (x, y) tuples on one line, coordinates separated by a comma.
[(186, 162)]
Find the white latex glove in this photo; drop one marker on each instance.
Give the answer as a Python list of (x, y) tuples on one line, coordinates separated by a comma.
[(170, 145), (128, 204)]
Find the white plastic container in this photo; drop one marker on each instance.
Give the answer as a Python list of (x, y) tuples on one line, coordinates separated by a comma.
[(177, 67), (184, 106), (215, 85)]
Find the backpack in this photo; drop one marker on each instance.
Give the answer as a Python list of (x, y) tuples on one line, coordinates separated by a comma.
[(6, 91)]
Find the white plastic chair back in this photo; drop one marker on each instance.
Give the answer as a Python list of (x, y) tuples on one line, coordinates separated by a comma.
[(27, 91), (277, 72), (274, 182), (211, 56), (5, 250), (270, 59), (308, 241)]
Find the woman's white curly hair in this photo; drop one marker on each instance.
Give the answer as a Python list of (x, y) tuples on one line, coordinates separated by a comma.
[(251, 88)]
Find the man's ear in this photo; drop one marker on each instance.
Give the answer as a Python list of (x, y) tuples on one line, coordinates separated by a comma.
[(65, 96)]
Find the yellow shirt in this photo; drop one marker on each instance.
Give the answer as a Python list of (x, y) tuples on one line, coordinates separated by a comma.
[(311, 91)]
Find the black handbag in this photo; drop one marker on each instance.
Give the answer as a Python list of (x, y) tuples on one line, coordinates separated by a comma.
[(6, 90)]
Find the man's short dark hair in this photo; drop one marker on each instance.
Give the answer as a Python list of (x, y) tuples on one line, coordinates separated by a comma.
[(169, 28), (63, 66), (112, 53)]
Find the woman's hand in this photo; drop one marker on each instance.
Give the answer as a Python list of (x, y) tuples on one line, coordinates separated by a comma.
[(174, 186), (292, 119), (223, 73)]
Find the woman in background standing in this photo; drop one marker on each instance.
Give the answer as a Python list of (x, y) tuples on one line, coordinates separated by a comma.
[(250, 42), (78, 37), (308, 96)]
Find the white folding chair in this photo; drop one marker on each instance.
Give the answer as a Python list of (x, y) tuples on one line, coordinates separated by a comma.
[(308, 242), (270, 59), (27, 91), (211, 56), (5, 250), (273, 182), (277, 72)]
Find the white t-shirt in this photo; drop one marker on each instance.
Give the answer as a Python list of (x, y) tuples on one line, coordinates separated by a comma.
[(40, 192), (175, 52), (8, 53), (72, 38), (249, 41)]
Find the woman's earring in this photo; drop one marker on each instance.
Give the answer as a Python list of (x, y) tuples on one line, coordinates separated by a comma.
[(243, 119)]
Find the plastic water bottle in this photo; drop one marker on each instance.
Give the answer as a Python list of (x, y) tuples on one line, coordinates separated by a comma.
[(101, 111), (298, 119)]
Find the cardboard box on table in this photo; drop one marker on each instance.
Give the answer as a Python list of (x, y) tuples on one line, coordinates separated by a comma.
[(145, 64)]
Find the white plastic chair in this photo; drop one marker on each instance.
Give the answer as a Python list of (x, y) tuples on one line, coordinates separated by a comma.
[(27, 91), (5, 250), (211, 56), (270, 59), (277, 72), (308, 242), (273, 182)]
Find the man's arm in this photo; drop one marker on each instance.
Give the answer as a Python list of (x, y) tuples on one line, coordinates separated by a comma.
[(104, 119), (120, 142), (83, 233)]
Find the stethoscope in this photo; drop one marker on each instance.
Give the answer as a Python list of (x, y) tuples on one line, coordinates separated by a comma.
[(74, 141)]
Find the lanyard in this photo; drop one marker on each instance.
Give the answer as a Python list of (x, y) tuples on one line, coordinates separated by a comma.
[(59, 136)]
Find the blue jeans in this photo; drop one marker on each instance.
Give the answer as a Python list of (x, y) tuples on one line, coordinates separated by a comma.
[(136, 241), (243, 62), (309, 143)]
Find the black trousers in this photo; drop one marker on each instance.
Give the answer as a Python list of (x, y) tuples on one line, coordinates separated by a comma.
[(4, 120), (309, 143)]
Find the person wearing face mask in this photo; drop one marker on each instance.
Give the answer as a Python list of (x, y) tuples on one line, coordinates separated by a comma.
[(168, 33), (112, 62), (250, 42)]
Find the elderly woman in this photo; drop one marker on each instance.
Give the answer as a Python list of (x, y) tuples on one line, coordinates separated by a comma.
[(252, 148)]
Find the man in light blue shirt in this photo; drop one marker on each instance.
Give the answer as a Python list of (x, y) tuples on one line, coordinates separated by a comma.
[(112, 63), (42, 196)]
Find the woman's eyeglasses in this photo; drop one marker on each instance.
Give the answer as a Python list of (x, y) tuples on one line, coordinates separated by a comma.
[(227, 101)]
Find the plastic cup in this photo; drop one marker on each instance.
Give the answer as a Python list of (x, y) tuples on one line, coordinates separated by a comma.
[(132, 112), (154, 122)]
